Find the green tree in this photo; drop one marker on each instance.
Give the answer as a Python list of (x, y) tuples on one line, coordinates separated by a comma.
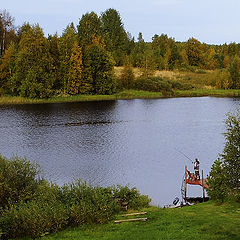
[(54, 51), (217, 182), (66, 43), (138, 53), (90, 26), (234, 70), (33, 75), (231, 152), (194, 52), (127, 76), (174, 56), (147, 65), (165, 51), (98, 64), (115, 37), (7, 66), (224, 180)]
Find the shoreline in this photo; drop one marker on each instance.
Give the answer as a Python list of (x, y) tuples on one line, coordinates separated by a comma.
[(124, 95)]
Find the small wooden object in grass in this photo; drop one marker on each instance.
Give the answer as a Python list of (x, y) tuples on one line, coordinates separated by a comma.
[(131, 220), (134, 214)]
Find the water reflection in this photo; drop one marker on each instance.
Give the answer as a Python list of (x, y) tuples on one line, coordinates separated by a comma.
[(119, 142)]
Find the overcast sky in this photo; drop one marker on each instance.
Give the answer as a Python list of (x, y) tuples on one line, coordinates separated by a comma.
[(210, 21)]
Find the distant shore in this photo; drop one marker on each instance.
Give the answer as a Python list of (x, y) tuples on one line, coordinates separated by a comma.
[(124, 95)]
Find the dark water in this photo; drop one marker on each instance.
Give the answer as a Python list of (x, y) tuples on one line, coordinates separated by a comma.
[(119, 142)]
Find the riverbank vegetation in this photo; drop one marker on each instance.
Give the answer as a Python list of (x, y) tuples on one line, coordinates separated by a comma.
[(81, 61), (123, 95), (31, 206)]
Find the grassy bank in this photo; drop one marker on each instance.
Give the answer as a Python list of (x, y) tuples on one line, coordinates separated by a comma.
[(202, 221), (127, 94), (208, 92)]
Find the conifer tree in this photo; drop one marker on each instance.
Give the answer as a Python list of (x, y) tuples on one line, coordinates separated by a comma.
[(90, 26), (66, 43), (7, 65), (33, 76), (114, 34), (234, 70), (99, 69), (54, 51), (76, 81)]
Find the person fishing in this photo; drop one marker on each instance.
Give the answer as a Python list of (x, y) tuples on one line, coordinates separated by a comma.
[(196, 168)]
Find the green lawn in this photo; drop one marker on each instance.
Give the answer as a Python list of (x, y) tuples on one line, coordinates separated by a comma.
[(201, 221)]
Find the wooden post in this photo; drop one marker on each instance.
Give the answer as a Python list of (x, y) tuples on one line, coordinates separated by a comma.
[(203, 187), (185, 188)]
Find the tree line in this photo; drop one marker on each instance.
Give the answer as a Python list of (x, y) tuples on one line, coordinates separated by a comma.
[(82, 59)]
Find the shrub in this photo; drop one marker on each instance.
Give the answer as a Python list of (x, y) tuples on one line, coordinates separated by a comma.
[(45, 213), (126, 78), (33, 208), (89, 204), (19, 180), (158, 84), (221, 79), (35, 218), (132, 196), (153, 84), (181, 86)]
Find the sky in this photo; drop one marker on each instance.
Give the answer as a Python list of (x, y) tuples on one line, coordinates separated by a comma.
[(210, 21)]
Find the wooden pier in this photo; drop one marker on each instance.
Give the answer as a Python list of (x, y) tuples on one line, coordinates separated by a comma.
[(192, 179)]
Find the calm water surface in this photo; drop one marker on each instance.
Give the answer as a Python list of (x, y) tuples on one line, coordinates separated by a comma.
[(134, 142)]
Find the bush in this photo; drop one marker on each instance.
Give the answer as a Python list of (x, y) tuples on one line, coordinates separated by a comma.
[(44, 214), (89, 204), (19, 180), (131, 196), (35, 218), (34, 208), (221, 79), (181, 86), (157, 84), (153, 84), (126, 78)]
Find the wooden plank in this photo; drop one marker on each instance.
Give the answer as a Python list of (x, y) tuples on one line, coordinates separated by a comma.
[(131, 220), (134, 214)]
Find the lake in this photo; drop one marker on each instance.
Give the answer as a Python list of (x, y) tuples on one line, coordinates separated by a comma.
[(137, 142)]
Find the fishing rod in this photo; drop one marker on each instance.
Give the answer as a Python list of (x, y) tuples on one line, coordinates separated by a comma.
[(184, 155)]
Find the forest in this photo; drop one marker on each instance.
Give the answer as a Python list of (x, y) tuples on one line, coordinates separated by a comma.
[(82, 59)]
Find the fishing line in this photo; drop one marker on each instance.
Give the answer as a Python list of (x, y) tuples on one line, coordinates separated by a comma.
[(184, 155)]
